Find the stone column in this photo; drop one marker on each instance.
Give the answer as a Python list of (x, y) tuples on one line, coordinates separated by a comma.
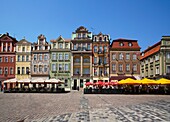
[(11, 47), (6, 46)]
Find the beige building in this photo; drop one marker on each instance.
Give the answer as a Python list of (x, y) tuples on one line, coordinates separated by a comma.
[(81, 58), (155, 60), (23, 59)]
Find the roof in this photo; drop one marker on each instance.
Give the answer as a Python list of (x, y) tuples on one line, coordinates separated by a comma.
[(7, 34), (151, 50), (60, 37), (116, 44), (24, 41)]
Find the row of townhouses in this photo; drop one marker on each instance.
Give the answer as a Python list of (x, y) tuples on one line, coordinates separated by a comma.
[(83, 58)]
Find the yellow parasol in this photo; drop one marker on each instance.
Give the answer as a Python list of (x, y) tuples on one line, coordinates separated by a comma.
[(163, 81)]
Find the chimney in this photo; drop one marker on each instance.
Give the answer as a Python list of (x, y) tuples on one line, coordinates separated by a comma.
[(7, 33)]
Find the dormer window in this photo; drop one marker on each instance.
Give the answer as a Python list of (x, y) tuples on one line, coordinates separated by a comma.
[(130, 44), (95, 39), (105, 39), (60, 45), (100, 39), (79, 35), (84, 35), (121, 44)]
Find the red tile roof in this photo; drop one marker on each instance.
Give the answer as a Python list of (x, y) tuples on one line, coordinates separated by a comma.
[(151, 50), (116, 44)]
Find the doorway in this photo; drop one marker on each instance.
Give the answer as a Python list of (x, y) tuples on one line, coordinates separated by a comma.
[(81, 83), (75, 84)]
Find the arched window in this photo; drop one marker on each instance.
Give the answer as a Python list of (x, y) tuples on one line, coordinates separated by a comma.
[(100, 39), (105, 39)]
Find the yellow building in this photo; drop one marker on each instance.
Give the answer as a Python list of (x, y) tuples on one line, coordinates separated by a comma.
[(23, 59)]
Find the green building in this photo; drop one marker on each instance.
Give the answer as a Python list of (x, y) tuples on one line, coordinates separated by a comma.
[(60, 65)]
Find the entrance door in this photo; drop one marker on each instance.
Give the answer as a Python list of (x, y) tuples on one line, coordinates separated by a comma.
[(81, 83), (75, 84)]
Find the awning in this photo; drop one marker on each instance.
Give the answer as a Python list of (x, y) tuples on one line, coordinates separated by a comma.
[(121, 77)]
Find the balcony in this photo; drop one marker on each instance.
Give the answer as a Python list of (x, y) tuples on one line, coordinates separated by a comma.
[(86, 75)]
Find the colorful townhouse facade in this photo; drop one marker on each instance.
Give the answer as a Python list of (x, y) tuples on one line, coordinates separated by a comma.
[(155, 60), (60, 61), (7, 57), (81, 58), (124, 59), (23, 59), (40, 58), (100, 56)]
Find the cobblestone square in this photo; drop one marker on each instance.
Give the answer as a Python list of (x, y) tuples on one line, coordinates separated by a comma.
[(78, 107)]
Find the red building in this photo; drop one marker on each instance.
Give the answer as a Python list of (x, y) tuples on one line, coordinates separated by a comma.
[(124, 59), (7, 57)]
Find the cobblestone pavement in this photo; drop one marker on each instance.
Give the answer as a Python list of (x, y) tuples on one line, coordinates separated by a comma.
[(77, 107)]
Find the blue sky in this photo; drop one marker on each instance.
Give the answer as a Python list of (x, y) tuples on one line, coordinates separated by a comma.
[(144, 20)]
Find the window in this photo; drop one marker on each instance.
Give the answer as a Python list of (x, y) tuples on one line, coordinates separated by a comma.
[(113, 67), (45, 57), (168, 55), (95, 71), (4, 49), (95, 60), (156, 57), (79, 35), (100, 49), (100, 71), (12, 59), (27, 70), (100, 60), (86, 71), (105, 60), (11, 70), (135, 67), (134, 57), (60, 57), (23, 49), (95, 39), (66, 56), (60, 67), (105, 71), (23, 70), (66, 67), (60, 45), (95, 49), (6, 59), (40, 57), (41, 47), (130, 44), (120, 67), (120, 56), (0, 71), (53, 67), (35, 57), (6, 70), (88, 46), (74, 47), (157, 70), (54, 45), (127, 67), (168, 70), (45, 68), (23, 58), (105, 48), (121, 44), (40, 68), (105, 39), (18, 70), (77, 71), (53, 56), (77, 60), (66, 82), (86, 60), (84, 47), (100, 39), (0, 59), (113, 56), (79, 46), (84, 35), (8, 48), (66, 45), (27, 58), (127, 56), (35, 68)]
